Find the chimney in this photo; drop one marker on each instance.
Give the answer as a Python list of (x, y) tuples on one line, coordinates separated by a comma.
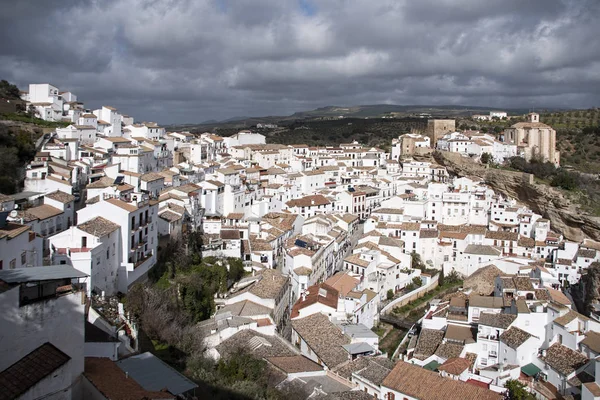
[(312, 202), (304, 296)]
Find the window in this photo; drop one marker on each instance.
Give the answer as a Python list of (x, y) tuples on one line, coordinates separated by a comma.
[(13, 263), (23, 258), (107, 253)]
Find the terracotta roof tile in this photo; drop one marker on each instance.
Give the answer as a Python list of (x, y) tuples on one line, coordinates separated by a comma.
[(455, 366), (514, 337), (113, 383), (321, 293), (564, 360), (420, 383), (323, 337), (98, 226), (29, 370)]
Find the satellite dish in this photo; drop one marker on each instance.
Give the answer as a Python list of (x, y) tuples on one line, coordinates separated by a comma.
[(16, 206), (14, 214)]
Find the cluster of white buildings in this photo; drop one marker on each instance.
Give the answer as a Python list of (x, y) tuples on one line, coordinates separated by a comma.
[(515, 326), (491, 116), (325, 233), (528, 139)]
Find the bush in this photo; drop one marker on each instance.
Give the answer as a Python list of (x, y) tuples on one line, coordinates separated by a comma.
[(486, 158), (417, 281), (565, 180), (546, 170), (390, 294), (517, 391)]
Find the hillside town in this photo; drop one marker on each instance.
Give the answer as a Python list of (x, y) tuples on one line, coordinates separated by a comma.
[(334, 240)]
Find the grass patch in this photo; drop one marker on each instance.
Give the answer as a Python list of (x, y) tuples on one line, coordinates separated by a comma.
[(379, 330), (169, 354), (391, 341), (422, 300), (36, 121)]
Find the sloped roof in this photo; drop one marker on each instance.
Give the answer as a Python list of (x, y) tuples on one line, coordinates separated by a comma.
[(428, 342), (98, 226), (592, 340), (60, 196), (294, 364), (564, 360), (29, 370), (321, 293), (342, 282), (154, 375), (323, 337), (494, 320), (514, 337), (422, 384), (113, 383), (455, 366)]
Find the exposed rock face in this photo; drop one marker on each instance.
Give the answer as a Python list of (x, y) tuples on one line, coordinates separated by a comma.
[(565, 217), (590, 287), (483, 280)]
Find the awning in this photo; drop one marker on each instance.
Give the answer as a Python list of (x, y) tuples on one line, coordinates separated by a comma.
[(432, 366), (530, 370)]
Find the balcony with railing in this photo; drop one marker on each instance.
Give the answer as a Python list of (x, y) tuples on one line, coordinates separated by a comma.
[(142, 260), (493, 336)]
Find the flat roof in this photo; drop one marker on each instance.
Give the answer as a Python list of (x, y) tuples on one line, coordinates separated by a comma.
[(154, 375), (36, 274), (25, 195), (358, 348)]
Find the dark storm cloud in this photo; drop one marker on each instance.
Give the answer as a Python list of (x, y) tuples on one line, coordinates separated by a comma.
[(192, 60)]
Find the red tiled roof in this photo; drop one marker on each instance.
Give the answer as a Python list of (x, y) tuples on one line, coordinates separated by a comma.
[(315, 296), (29, 370)]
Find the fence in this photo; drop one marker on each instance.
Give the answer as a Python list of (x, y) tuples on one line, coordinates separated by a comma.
[(415, 294)]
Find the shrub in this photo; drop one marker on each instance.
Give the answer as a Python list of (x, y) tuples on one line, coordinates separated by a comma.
[(565, 180), (486, 158), (390, 294)]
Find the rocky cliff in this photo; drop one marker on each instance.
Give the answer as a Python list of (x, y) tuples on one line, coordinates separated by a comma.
[(588, 289), (565, 217)]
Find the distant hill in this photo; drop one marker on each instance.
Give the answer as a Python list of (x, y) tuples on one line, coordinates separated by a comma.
[(360, 111)]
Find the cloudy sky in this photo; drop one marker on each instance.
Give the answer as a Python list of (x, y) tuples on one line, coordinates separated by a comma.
[(193, 60)]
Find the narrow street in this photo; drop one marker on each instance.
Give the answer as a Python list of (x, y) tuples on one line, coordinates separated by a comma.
[(350, 244)]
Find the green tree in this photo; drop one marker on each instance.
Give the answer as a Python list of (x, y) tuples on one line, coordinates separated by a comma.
[(517, 391), (441, 278), (486, 158), (8, 90), (417, 281), (416, 261), (565, 180), (390, 294)]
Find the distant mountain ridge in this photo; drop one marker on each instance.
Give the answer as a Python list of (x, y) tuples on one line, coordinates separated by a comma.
[(365, 111)]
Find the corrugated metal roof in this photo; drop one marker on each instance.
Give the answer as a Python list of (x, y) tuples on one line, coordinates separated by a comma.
[(35, 274), (153, 375)]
